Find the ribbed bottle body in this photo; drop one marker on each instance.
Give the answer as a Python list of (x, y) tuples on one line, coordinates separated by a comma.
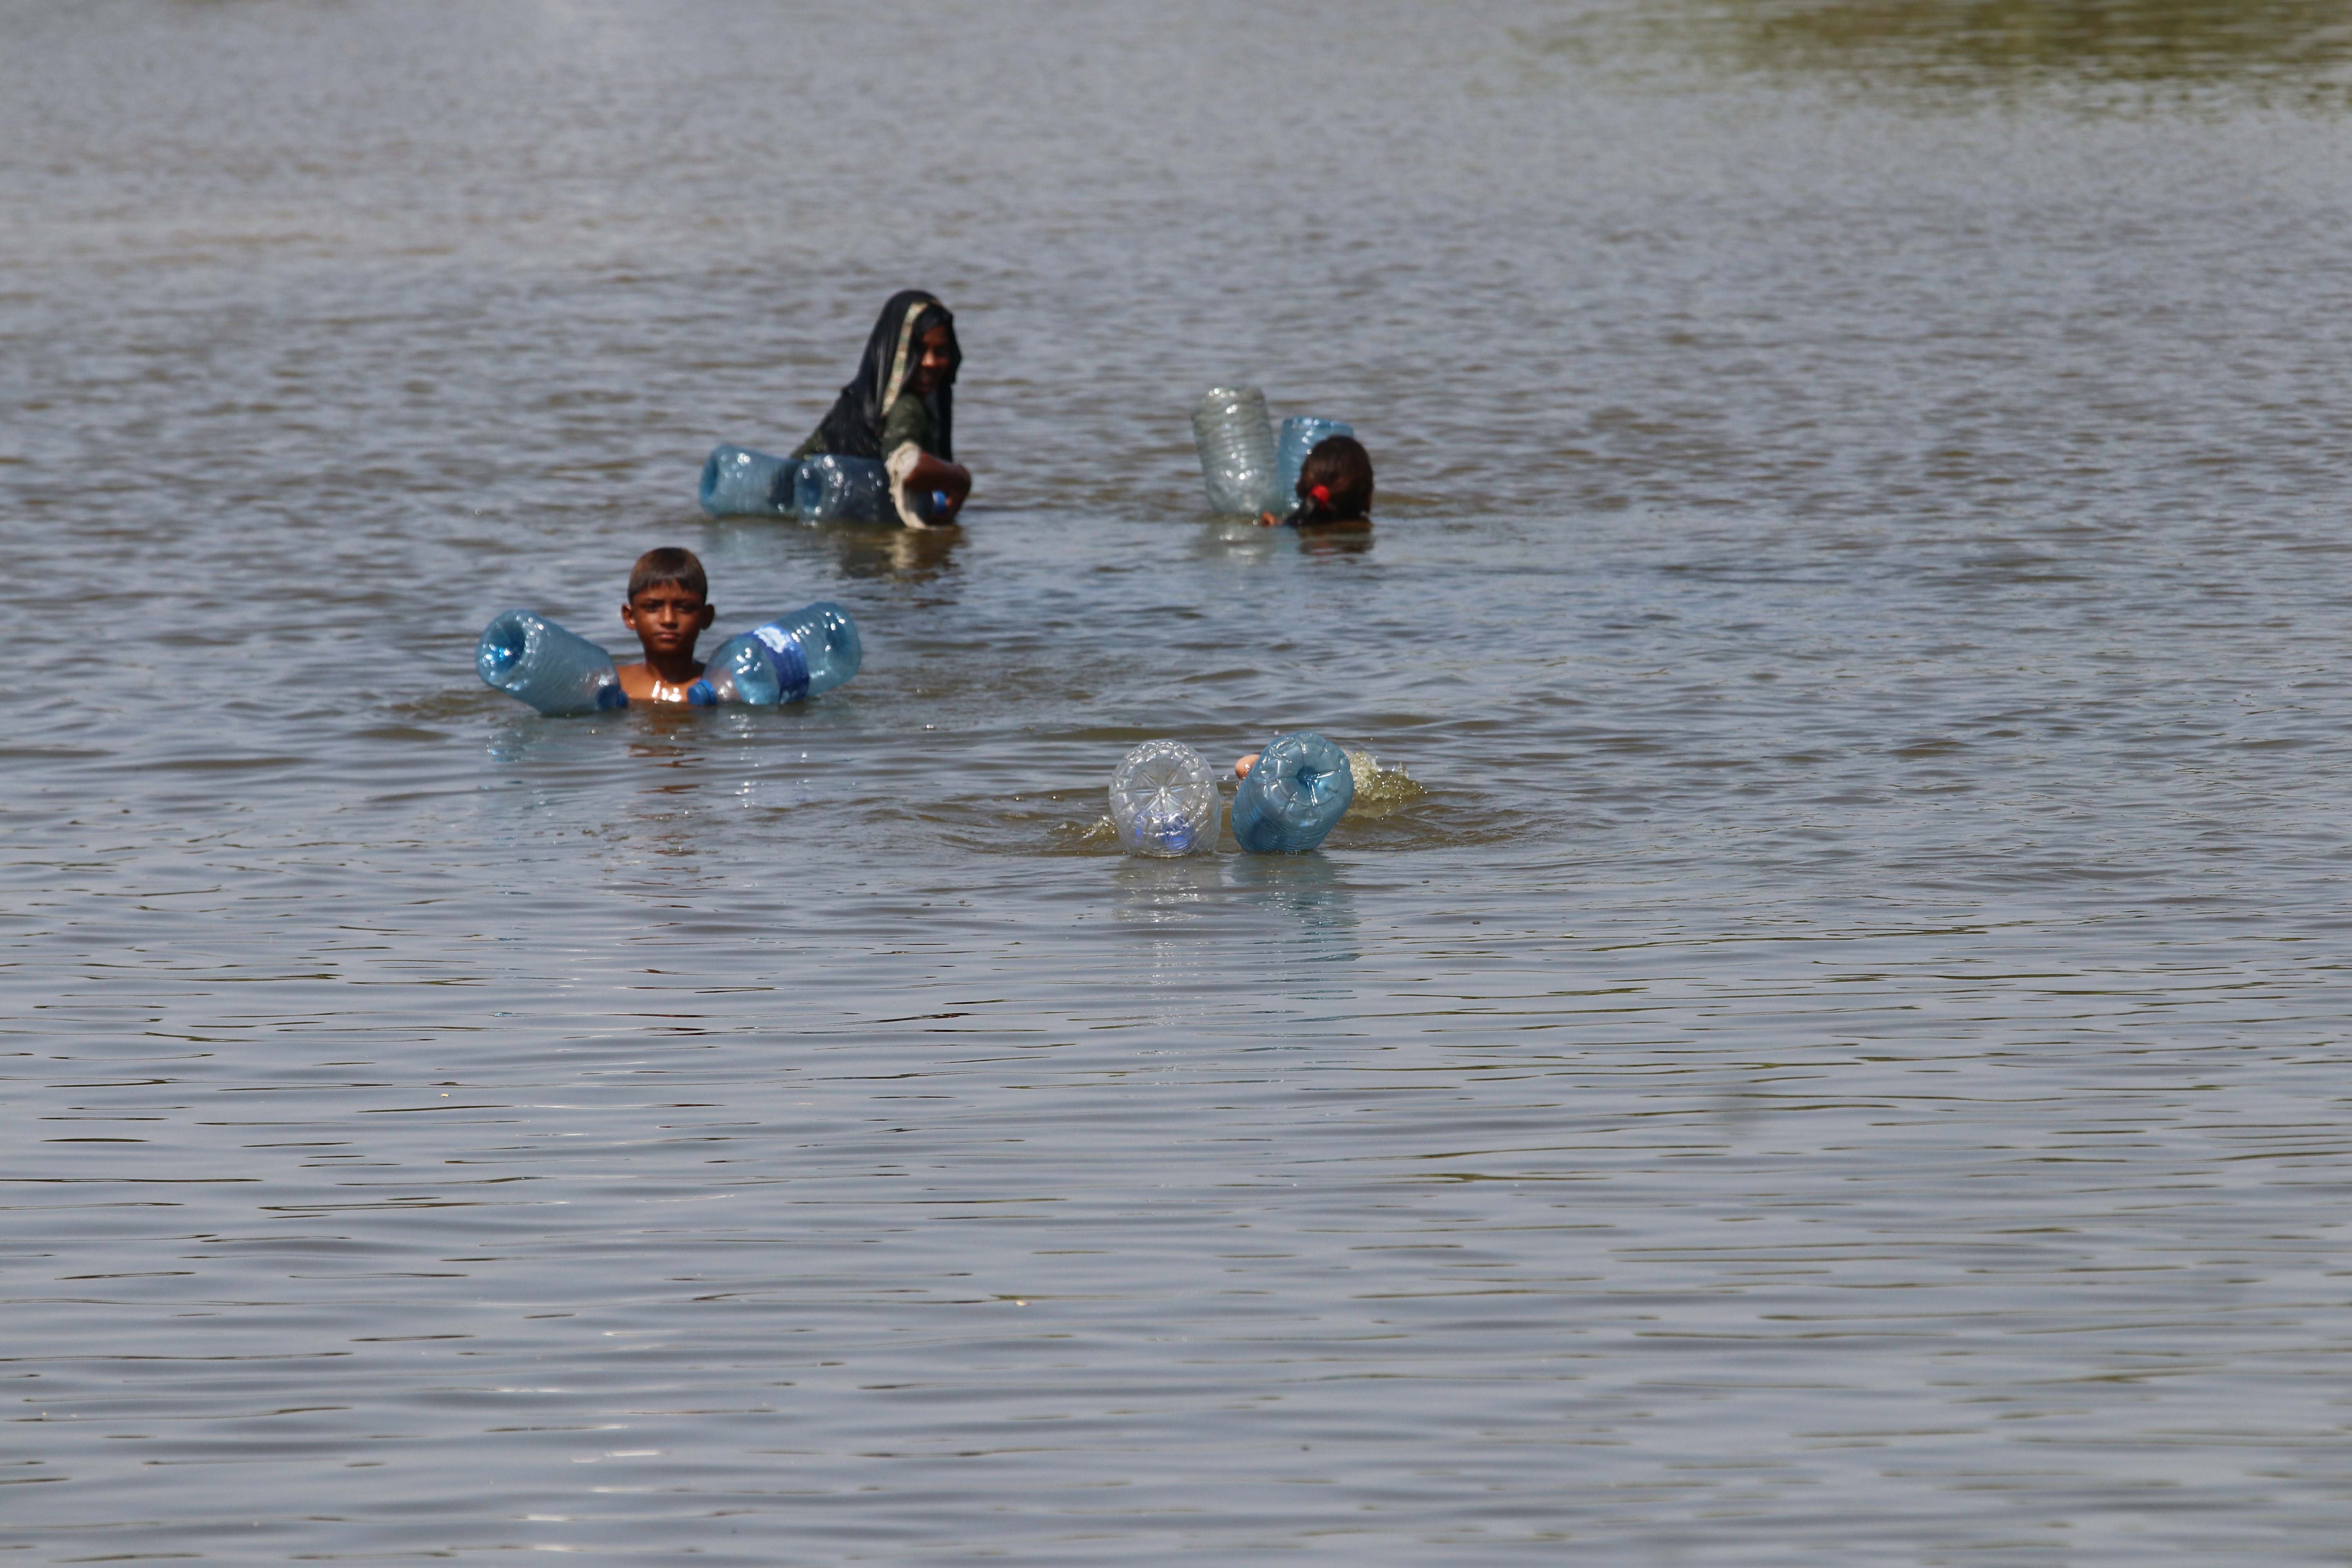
[(1163, 801), (530, 657), (1294, 796), (1236, 445), (833, 489), (801, 655), (739, 482)]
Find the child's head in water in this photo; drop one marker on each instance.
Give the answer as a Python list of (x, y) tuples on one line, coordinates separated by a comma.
[(1335, 485), (669, 608)]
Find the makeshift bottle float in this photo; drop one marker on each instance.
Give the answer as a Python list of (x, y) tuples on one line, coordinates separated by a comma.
[(794, 656), (1163, 801), (1296, 793), (561, 674), (740, 482), (532, 659), (1245, 468), (1163, 798)]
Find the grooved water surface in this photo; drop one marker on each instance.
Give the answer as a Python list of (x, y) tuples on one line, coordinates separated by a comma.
[(1843, 1063)]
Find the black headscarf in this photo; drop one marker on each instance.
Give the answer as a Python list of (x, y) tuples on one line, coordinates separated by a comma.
[(854, 429)]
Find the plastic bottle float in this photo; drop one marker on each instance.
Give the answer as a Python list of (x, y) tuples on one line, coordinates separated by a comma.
[(1236, 445), (740, 482), (833, 489), (1294, 796), (801, 655), (530, 657), (793, 658), (1246, 471), (1163, 801)]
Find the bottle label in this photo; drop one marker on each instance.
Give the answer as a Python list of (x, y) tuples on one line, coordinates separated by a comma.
[(784, 655)]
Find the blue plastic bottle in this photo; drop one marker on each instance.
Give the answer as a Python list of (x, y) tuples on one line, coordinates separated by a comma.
[(739, 482), (792, 656), (1300, 433), (833, 489), (1294, 796), (531, 657)]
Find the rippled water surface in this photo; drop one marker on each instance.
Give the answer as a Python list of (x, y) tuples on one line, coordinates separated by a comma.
[(1842, 1062)]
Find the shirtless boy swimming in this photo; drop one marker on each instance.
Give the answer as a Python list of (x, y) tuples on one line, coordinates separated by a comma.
[(669, 609)]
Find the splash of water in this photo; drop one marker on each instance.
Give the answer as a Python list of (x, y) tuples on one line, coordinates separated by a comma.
[(1381, 790)]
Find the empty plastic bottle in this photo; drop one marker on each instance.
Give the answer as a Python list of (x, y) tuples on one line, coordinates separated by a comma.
[(1236, 445), (531, 657), (810, 651), (1295, 794), (1300, 433), (739, 482), (1163, 800), (833, 488)]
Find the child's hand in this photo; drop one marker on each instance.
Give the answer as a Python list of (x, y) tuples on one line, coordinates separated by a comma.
[(1242, 768), (1268, 520)]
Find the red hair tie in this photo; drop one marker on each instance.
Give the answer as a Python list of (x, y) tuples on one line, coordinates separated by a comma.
[(1322, 494)]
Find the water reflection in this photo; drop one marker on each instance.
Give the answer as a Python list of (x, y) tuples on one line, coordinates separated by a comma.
[(1335, 541), (524, 736), (904, 554), (1978, 41), (1187, 909), (1234, 538), (1166, 892), (1313, 892)]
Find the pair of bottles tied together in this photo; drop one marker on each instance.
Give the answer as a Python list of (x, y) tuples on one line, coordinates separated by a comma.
[(561, 673), (1163, 798), (740, 482), (1246, 468), (794, 656)]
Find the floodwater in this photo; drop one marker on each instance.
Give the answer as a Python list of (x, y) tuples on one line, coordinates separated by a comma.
[(1837, 1056)]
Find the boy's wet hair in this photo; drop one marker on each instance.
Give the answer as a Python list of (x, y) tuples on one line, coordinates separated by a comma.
[(1343, 470), (668, 567)]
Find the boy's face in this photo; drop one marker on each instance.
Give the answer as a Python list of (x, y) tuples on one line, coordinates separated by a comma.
[(667, 619)]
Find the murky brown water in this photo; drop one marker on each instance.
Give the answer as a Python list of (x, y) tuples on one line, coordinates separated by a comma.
[(1843, 1064)]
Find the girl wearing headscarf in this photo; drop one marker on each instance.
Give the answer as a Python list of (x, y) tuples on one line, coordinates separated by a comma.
[(899, 410)]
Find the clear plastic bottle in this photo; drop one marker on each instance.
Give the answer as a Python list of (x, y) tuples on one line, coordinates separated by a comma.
[(1163, 801), (531, 657), (833, 488), (1236, 445), (1294, 796), (739, 482), (1300, 433), (801, 655)]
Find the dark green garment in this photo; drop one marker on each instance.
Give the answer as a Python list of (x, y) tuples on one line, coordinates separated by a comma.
[(909, 420)]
